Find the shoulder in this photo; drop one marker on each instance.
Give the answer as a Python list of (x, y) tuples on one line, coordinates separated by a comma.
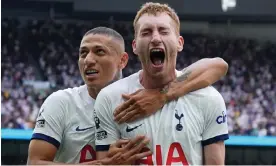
[(69, 93), (119, 87), (207, 97), (61, 99), (61, 95), (111, 96), (208, 92)]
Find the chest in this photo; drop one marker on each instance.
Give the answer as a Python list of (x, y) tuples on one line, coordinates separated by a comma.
[(80, 129), (175, 132), (177, 119)]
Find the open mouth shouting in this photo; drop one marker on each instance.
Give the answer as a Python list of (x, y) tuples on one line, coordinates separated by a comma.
[(157, 57)]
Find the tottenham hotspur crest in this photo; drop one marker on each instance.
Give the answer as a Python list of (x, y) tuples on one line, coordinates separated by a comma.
[(179, 126)]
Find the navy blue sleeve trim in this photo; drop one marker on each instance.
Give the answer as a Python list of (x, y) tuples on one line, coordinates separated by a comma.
[(215, 139), (102, 147), (46, 138)]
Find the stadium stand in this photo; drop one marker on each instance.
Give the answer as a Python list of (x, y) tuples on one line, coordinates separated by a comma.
[(40, 56)]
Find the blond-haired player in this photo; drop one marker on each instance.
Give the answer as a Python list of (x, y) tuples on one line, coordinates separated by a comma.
[(188, 130)]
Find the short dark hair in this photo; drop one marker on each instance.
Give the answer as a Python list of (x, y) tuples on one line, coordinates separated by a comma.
[(106, 31)]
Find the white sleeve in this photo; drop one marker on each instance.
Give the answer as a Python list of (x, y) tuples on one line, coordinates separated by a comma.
[(50, 120), (106, 128), (215, 120)]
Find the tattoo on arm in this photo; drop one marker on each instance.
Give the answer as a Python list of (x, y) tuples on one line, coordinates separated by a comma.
[(184, 75)]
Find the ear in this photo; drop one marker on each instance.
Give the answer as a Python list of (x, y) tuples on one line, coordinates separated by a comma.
[(180, 43), (134, 47), (123, 60)]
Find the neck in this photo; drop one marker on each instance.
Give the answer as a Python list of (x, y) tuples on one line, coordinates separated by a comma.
[(151, 82), (93, 92)]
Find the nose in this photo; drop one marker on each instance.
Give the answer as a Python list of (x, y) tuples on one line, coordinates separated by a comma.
[(90, 59), (156, 39)]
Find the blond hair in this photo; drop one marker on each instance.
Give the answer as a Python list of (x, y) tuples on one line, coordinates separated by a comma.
[(154, 9)]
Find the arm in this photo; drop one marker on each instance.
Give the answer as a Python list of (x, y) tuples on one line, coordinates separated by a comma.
[(47, 134), (215, 130), (214, 154), (37, 156), (48, 131), (198, 75), (145, 102)]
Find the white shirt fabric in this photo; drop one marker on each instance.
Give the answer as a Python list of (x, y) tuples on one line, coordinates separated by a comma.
[(177, 132), (66, 121)]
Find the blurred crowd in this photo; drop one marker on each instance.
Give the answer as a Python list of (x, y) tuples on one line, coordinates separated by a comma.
[(47, 51)]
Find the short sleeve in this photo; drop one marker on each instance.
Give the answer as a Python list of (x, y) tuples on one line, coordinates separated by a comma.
[(215, 119), (50, 120), (106, 130)]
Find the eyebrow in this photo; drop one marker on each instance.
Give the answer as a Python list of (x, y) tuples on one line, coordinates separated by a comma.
[(148, 27), (145, 29), (145, 26), (97, 46)]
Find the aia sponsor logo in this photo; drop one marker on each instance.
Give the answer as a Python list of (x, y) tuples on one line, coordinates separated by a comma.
[(175, 155)]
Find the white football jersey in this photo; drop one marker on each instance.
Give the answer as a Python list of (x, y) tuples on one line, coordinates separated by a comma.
[(66, 121), (177, 132)]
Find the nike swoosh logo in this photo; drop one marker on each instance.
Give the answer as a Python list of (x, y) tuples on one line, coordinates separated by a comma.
[(131, 129), (78, 128)]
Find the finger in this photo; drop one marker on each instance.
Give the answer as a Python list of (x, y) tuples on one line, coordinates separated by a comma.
[(115, 159), (139, 156), (121, 142), (126, 97), (137, 148), (134, 117), (124, 112), (116, 147), (128, 115), (133, 142), (136, 92), (123, 106)]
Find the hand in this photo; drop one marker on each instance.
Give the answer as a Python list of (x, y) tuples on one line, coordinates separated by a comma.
[(172, 90), (127, 151), (141, 103)]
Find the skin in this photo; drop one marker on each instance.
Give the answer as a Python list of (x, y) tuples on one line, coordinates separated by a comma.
[(157, 33), (214, 154), (104, 54)]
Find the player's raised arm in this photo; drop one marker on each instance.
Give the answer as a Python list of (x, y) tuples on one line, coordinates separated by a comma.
[(215, 128), (198, 75), (145, 102)]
